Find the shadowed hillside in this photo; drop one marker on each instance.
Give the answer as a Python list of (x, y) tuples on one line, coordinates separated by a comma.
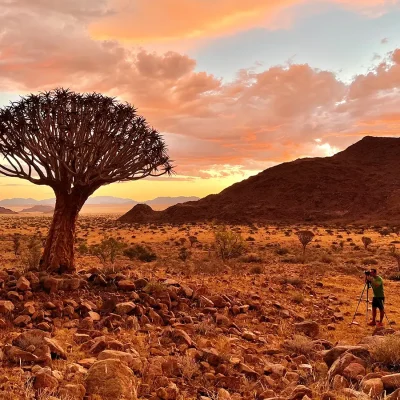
[(359, 183)]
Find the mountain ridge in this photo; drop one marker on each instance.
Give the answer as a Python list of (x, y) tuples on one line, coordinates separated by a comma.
[(360, 183), (96, 200)]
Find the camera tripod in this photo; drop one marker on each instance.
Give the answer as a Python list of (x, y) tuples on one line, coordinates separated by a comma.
[(366, 286)]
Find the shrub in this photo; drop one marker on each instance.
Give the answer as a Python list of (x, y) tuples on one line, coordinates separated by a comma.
[(107, 250), (184, 254), (141, 253), (282, 251), (33, 252), (16, 239), (294, 281), (387, 352), (298, 298), (300, 345), (326, 259), (83, 249), (228, 244), (369, 261), (251, 258), (394, 277), (256, 269)]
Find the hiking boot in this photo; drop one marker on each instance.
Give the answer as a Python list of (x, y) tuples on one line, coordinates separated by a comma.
[(372, 323), (379, 324)]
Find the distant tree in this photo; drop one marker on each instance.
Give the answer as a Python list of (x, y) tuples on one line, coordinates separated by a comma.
[(76, 143), (16, 239), (193, 240), (305, 237), (366, 241)]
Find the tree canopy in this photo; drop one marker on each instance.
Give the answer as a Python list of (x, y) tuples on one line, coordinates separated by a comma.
[(65, 139)]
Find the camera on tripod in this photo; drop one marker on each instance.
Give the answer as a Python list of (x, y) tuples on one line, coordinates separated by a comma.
[(367, 273)]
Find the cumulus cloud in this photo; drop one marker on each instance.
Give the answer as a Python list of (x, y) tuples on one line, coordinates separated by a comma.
[(213, 128)]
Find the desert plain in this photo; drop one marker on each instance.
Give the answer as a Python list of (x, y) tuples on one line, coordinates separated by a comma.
[(177, 318)]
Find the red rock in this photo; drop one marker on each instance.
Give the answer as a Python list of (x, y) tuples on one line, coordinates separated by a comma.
[(23, 284), (6, 307), (373, 387), (45, 382), (111, 379), (73, 391)]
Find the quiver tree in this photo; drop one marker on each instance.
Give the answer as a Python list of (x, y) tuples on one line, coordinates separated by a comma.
[(305, 237), (366, 241), (76, 143)]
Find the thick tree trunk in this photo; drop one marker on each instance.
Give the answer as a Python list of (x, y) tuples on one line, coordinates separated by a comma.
[(58, 254)]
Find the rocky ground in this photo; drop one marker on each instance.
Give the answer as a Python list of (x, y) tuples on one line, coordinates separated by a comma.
[(270, 329)]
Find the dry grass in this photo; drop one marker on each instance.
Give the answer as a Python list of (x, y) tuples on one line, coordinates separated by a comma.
[(300, 345), (387, 352)]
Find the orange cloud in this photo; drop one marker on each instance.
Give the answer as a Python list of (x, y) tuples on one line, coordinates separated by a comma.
[(155, 21), (258, 119), (146, 21)]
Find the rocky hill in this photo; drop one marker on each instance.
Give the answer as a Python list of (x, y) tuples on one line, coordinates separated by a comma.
[(39, 209), (6, 211), (361, 183)]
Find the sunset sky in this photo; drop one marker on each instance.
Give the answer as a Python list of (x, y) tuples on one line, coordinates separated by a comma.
[(235, 86)]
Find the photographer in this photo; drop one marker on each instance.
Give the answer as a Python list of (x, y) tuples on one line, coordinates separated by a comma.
[(376, 282)]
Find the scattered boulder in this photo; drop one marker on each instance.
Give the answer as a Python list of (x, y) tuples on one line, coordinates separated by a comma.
[(353, 370), (333, 354), (309, 328), (131, 360), (391, 382), (373, 387), (111, 379), (6, 307), (23, 284), (73, 391)]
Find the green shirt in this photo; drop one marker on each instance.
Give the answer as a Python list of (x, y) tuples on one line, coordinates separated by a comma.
[(377, 286)]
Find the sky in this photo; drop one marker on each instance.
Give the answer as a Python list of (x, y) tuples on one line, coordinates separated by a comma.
[(234, 86)]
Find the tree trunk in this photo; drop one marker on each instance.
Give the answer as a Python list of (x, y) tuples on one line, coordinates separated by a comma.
[(58, 253)]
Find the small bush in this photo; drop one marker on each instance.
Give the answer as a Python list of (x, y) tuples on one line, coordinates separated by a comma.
[(83, 249), (282, 251), (107, 250), (300, 345), (298, 298), (251, 258), (16, 243), (33, 252), (369, 261), (228, 244), (326, 259), (141, 253), (293, 260), (395, 277), (256, 269), (294, 281), (184, 254)]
